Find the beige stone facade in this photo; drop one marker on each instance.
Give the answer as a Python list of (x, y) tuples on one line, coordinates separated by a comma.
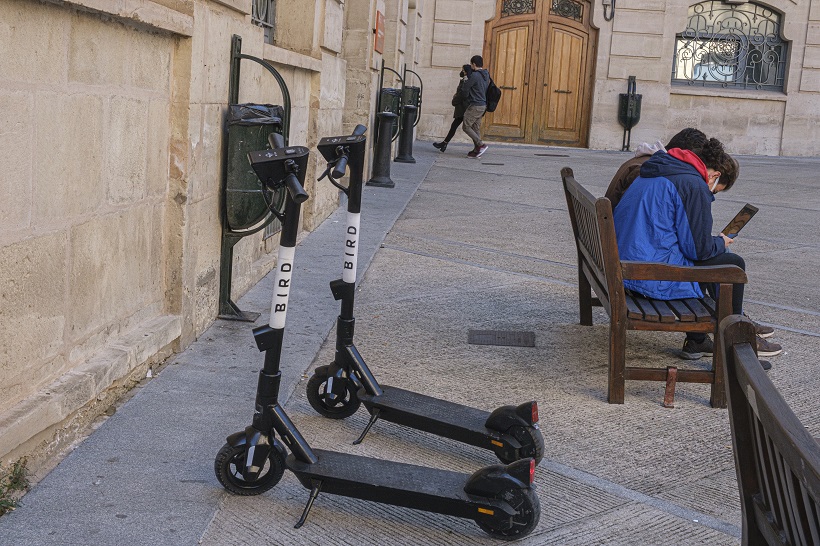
[(112, 120), (640, 41)]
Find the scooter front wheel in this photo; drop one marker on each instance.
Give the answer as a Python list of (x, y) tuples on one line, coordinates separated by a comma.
[(532, 444), (528, 508), (228, 467), (338, 402)]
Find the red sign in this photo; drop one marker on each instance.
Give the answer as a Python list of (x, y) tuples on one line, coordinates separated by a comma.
[(379, 32)]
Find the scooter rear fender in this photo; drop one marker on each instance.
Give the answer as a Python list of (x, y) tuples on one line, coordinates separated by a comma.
[(492, 480), (503, 418), (259, 445)]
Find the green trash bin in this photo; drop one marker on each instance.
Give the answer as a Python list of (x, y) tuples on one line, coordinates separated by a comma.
[(245, 200), (390, 101), (411, 96)]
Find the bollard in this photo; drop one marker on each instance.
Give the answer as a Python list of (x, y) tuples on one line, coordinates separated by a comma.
[(406, 135), (381, 157)]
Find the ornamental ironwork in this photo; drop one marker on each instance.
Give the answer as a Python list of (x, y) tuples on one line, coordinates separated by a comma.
[(517, 7), (568, 9), (729, 45)]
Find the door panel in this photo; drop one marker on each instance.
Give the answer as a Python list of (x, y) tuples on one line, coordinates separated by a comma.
[(562, 90), (508, 70)]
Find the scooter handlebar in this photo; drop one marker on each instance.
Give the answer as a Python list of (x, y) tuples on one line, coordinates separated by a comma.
[(340, 169), (297, 192), (276, 140)]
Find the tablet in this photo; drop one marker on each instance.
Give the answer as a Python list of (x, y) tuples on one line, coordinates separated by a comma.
[(740, 220)]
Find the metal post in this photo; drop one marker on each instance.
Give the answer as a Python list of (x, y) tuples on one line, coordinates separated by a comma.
[(406, 135), (381, 157)]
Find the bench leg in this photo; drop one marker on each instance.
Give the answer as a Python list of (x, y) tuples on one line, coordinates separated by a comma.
[(617, 362), (718, 398), (584, 298)]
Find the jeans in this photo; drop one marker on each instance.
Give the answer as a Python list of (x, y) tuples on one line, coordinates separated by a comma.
[(727, 258)]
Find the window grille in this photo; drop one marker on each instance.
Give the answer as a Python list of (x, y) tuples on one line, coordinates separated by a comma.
[(731, 46), (264, 15), (517, 7)]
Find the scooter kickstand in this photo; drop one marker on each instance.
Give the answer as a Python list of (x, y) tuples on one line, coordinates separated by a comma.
[(373, 419), (314, 492)]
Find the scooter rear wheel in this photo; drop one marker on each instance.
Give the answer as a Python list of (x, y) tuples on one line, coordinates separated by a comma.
[(337, 405), (526, 502), (228, 467), (532, 444)]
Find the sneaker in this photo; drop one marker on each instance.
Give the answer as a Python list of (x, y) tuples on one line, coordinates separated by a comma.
[(472, 153), (481, 150), (440, 145), (760, 329), (693, 350), (767, 348)]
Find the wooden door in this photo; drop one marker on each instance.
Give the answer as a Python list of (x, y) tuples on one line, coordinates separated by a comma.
[(541, 54)]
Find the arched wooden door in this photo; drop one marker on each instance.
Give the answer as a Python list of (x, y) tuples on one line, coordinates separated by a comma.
[(541, 54)]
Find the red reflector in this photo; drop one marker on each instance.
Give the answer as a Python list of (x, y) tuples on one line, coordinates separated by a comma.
[(532, 470), (534, 412)]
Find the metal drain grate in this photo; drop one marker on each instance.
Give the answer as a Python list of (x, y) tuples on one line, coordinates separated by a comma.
[(492, 163), (501, 337)]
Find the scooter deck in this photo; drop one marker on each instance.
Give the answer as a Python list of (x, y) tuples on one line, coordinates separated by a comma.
[(433, 415), (389, 482)]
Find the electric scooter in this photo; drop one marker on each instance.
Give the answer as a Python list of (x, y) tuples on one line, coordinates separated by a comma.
[(500, 499), (337, 390)]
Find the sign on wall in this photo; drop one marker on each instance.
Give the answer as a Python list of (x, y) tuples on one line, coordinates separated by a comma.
[(379, 32)]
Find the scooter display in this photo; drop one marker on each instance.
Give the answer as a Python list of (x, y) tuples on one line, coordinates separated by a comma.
[(337, 390), (500, 499)]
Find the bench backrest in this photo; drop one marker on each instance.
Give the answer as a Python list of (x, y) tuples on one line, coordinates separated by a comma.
[(777, 460), (594, 231)]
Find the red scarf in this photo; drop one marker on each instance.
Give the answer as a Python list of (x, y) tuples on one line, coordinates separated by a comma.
[(687, 156)]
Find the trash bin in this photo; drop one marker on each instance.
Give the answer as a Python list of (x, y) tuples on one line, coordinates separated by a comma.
[(245, 199), (390, 100), (411, 95)]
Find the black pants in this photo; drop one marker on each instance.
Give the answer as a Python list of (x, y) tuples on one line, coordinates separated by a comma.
[(453, 128), (727, 258)]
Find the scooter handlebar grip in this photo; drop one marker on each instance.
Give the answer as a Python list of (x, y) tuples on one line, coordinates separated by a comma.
[(359, 130), (297, 192), (341, 167), (276, 140)]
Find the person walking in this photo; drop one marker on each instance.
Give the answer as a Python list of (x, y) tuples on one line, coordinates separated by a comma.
[(474, 92), (460, 105)]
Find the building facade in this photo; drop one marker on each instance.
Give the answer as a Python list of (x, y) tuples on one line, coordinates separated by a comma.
[(746, 72), (112, 126)]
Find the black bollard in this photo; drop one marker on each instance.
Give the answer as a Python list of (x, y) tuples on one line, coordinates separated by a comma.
[(381, 156), (406, 135)]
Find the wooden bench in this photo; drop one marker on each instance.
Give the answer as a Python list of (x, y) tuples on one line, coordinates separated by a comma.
[(776, 459), (601, 269)]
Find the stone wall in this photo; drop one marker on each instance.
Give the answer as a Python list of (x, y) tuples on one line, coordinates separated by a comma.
[(111, 137)]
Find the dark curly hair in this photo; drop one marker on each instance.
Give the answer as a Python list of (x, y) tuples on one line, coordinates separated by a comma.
[(688, 139), (715, 157)]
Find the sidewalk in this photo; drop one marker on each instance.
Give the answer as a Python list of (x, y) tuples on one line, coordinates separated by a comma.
[(482, 244)]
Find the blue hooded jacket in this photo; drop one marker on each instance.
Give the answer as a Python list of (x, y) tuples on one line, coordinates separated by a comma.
[(666, 216)]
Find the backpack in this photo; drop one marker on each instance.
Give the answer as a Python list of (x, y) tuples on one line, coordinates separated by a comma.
[(493, 96)]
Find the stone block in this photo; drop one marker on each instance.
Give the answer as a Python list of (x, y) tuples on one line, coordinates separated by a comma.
[(812, 57), (449, 56), (201, 274), (16, 138), (150, 61), (333, 26), (813, 33), (637, 45), (810, 80), (98, 52), (332, 88), (452, 33), (454, 10), (646, 68), (159, 141), (638, 21), (126, 144), (32, 313), (33, 51), (69, 183), (35, 413)]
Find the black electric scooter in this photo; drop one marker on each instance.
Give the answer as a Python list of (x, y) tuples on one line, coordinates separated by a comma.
[(500, 499), (336, 390)]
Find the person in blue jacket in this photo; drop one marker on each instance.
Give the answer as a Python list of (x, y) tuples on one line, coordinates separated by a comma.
[(666, 216)]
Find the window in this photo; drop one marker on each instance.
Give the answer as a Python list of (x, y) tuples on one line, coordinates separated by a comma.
[(731, 45), (263, 15)]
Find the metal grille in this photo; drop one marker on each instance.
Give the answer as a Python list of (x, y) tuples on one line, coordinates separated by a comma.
[(264, 15), (501, 337), (568, 9), (728, 45), (517, 7)]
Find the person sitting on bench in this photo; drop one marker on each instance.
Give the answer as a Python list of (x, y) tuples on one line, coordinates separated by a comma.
[(665, 216)]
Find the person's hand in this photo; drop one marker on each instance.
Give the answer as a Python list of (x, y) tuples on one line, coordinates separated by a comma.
[(727, 240)]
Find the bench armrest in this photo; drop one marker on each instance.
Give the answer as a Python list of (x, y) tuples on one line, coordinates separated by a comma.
[(653, 271)]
